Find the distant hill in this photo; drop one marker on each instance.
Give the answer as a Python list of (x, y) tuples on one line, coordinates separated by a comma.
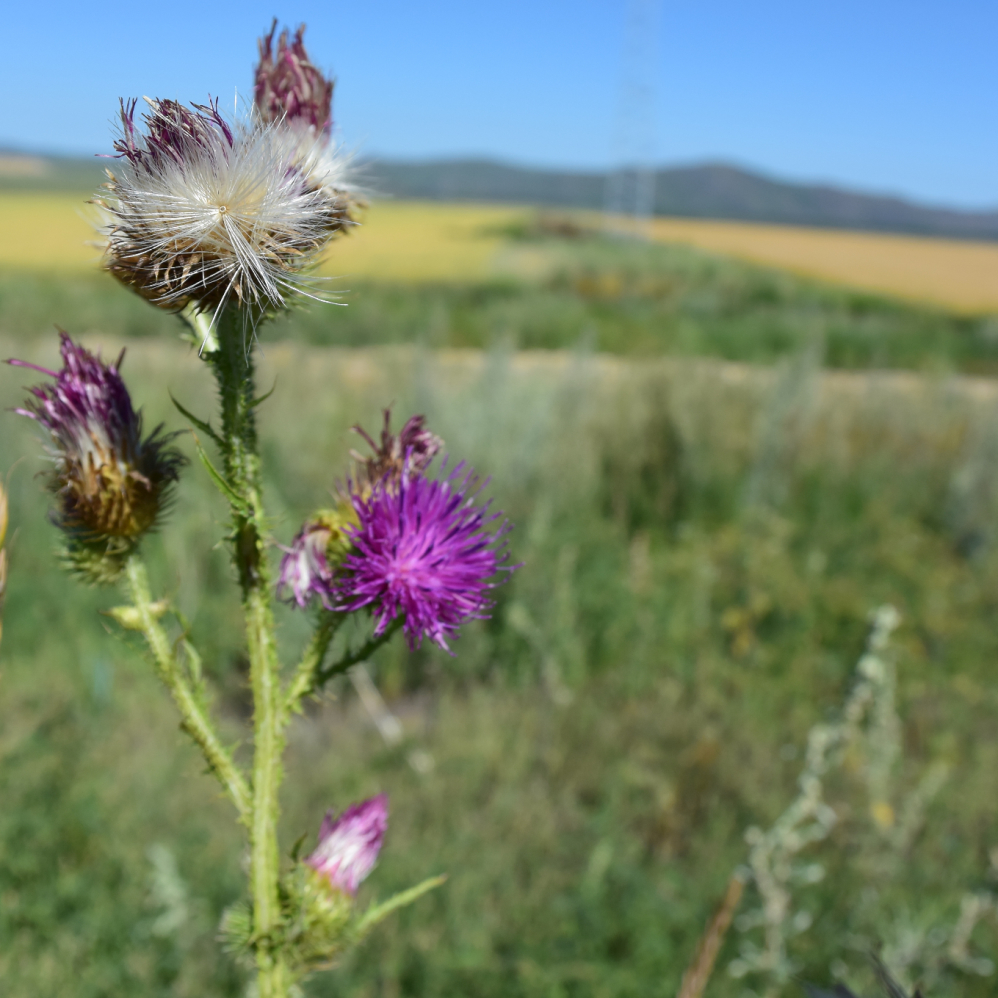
[(709, 190), (30, 172)]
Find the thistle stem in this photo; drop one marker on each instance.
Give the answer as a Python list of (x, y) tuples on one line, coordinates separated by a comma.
[(195, 719), (365, 651), (234, 372), (303, 681)]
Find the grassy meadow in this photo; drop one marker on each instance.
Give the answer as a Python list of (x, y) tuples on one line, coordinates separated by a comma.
[(716, 471)]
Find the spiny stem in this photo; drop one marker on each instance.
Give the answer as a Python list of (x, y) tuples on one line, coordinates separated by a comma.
[(233, 365), (365, 651), (303, 681), (195, 720)]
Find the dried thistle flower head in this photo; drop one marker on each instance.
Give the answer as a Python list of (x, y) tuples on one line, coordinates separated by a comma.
[(288, 87), (410, 452), (111, 483), (206, 214)]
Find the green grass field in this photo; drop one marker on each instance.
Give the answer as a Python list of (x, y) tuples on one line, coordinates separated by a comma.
[(702, 543), (548, 291)]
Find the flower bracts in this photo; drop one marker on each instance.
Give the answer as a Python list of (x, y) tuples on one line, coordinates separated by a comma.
[(111, 484), (308, 566)]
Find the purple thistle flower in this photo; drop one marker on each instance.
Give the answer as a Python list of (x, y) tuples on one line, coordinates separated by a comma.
[(410, 452), (110, 482), (349, 845), (289, 87), (309, 566), (422, 549)]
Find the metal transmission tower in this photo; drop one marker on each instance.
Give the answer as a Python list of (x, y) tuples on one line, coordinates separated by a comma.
[(630, 185)]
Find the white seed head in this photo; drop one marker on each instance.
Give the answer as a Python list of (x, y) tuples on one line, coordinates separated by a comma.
[(205, 213)]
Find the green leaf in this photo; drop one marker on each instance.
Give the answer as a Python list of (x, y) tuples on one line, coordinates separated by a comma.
[(379, 912), (238, 503), (193, 659), (199, 423), (296, 848), (263, 398)]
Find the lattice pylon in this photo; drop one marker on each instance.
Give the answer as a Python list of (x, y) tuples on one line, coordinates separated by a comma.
[(630, 186)]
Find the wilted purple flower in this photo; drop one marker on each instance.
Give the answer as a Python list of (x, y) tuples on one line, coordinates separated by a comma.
[(410, 451), (304, 568), (422, 549), (289, 87), (349, 845), (209, 214), (316, 552), (110, 482)]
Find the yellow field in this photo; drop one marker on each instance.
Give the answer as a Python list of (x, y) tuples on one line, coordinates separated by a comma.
[(952, 273), (46, 232), (410, 241), (395, 241), (417, 241)]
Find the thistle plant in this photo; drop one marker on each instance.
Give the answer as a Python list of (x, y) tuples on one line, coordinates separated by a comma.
[(220, 223)]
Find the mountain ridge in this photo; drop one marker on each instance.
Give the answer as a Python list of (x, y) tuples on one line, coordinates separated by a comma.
[(718, 191), (712, 190)]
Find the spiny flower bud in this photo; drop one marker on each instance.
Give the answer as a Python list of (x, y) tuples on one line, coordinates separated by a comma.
[(349, 845), (289, 87), (409, 452), (110, 483), (318, 549), (424, 550), (210, 215)]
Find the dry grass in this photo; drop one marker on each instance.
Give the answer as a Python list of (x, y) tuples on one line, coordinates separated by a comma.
[(955, 274)]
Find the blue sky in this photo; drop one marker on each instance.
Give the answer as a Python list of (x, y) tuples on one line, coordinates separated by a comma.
[(896, 97)]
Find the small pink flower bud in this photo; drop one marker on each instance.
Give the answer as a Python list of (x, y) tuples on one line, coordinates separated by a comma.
[(349, 845), (288, 87)]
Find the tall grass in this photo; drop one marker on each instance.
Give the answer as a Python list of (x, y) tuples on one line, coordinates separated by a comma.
[(702, 543)]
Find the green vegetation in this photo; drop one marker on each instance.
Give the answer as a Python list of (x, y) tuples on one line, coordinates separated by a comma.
[(701, 553), (610, 296), (61, 173), (703, 544)]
